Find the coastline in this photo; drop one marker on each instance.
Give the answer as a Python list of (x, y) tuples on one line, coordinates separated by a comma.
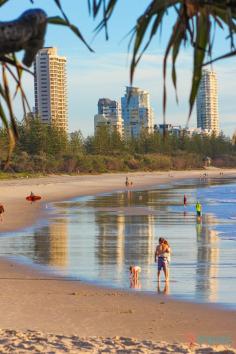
[(20, 213), (34, 300)]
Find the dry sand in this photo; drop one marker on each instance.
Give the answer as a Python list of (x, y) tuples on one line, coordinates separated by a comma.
[(82, 317), (38, 342)]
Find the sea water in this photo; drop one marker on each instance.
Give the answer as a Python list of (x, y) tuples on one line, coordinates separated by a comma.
[(97, 238)]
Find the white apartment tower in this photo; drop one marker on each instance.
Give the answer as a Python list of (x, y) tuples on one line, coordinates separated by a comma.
[(207, 102), (50, 87), (109, 114), (137, 112)]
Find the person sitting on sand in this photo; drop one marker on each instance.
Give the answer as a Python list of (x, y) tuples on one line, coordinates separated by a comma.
[(1, 211), (161, 257)]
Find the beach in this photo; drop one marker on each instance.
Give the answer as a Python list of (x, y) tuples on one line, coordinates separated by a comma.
[(42, 311)]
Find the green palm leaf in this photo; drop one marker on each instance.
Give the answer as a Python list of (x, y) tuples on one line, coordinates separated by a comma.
[(57, 20)]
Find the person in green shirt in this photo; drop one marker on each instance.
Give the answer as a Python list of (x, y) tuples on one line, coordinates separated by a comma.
[(198, 209)]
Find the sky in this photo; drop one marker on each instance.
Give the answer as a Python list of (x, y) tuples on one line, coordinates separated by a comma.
[(105, 73)]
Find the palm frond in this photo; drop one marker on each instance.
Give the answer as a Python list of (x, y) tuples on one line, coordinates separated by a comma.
[(57, 20), (195, 24)]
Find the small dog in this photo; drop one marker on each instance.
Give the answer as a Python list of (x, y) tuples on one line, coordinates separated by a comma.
[(134, 271)]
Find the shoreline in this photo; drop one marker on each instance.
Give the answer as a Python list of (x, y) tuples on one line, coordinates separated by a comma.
[(35, 300), (20, 214)]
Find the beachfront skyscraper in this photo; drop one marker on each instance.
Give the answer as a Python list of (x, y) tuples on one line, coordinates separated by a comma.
[(50, 88), (109, 114), (136, 112), (207, 102)]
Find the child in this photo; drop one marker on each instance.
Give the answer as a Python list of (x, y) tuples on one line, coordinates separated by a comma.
[(167, 251), (134, 272)]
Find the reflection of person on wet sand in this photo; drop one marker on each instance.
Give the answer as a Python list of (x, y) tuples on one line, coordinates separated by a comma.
[(1, 211), (129, 194), (135, 284), (165, 290), (162, 257)]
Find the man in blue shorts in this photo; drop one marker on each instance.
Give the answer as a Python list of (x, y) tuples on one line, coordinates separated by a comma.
[(162, 255)]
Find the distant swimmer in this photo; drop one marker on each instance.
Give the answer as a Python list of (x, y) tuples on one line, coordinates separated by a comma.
[(185, 200), (198, 209), (1, 211)]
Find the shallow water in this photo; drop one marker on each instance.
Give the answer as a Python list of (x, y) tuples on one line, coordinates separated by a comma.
[(97, 238)]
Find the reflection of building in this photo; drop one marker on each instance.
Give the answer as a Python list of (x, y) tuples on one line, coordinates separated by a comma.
[(51, 244), (207, 102), (58, 234), (139, 235), (207, 260), (136, 112), (111, 240), (50, 88), (125, 238)]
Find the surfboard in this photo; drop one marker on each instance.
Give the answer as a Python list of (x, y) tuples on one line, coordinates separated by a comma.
[(33, 198)]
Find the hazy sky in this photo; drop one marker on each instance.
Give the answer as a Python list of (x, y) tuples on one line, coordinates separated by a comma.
[(105, 73)]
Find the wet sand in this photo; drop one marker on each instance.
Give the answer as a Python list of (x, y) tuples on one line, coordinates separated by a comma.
[(20, 213), (32, 300)]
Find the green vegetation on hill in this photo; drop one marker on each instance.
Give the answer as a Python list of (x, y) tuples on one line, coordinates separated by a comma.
[(44, 149)]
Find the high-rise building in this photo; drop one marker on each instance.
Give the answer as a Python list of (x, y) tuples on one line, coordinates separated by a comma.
[(50, 87), (136, 112), (109, 114), (207, 102)]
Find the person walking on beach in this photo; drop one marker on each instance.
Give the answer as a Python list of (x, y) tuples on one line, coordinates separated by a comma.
[(185, 200), (162, 257), (127, 181), (198, 209), (1, 211)]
